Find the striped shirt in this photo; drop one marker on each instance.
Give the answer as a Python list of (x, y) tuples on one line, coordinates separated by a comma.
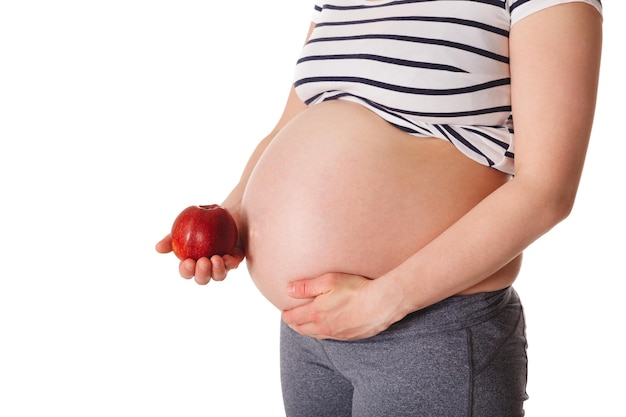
[(437, 68)]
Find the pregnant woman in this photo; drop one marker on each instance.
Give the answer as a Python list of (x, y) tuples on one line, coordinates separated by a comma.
[(425, 144)]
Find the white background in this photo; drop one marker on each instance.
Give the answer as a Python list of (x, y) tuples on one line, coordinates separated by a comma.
[(115, 115)]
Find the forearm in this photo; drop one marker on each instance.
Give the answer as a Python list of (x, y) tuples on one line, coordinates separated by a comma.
[(293, 107), (482, 242), (233, 200)]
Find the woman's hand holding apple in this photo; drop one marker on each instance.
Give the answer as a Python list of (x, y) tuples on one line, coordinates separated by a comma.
[(205, 239)]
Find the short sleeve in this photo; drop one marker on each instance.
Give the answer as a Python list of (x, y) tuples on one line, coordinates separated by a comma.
[(520, 9)]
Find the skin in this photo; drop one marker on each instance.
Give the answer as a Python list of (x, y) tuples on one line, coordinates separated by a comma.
[(555, 60)]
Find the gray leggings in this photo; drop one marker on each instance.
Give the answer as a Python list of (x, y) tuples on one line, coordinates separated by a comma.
[(464, 356)]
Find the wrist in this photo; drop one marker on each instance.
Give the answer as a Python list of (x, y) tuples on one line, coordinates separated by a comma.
[(393, 298)]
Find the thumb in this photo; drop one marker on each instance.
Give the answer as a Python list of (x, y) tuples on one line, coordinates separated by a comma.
[(308, 288), (164, 245)]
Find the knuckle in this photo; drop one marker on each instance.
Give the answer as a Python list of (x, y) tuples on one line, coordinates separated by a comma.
[(315, 316), (326, 331), (302, 287)]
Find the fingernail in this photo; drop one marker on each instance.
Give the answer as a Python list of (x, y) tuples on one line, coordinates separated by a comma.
[(291, 289)]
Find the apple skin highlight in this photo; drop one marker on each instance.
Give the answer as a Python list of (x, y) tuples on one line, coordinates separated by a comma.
[(204, 231)]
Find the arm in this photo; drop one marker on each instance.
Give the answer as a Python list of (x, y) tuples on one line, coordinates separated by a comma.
[(217, 267), (555, 60), (293, 107), (555, 57)]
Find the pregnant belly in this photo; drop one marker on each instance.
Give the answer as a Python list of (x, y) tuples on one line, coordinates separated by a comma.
[(341, 190)]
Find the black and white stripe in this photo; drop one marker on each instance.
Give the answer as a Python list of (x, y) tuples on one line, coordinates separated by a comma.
[(430, 67)]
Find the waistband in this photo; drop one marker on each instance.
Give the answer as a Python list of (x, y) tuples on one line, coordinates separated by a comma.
[(460, 311)]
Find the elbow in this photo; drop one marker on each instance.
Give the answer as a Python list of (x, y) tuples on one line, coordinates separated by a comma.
[(559, 206), (562, 206), (552, 203)]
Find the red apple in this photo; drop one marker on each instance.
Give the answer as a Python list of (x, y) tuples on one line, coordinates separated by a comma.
[(200, 231)]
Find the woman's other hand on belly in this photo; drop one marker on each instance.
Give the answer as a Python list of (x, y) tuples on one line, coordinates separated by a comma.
[(341, 307)]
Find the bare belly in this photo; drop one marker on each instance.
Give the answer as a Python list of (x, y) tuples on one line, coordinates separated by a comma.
[(341, 190)]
